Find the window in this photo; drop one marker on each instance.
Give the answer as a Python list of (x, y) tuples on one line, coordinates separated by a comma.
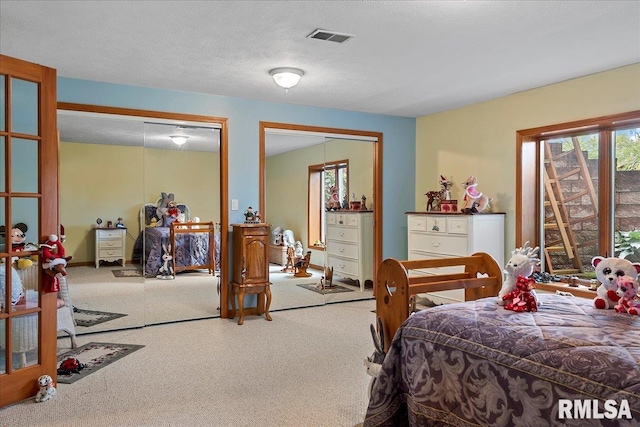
[(328, 188), (586, 178)]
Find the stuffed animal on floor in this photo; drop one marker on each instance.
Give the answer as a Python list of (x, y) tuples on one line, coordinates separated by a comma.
[(522, 263), (69, 366), (47, 388), (607, 272), (629, 301), (523, 297)]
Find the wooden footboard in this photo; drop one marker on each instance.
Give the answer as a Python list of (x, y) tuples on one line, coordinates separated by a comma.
[(194, 227), (397, 281)]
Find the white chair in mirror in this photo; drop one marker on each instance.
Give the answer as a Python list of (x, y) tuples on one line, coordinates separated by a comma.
[(25, 328)]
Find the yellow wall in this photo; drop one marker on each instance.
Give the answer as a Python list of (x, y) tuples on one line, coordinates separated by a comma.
[(109, 181), (287, 182), (479, 139)]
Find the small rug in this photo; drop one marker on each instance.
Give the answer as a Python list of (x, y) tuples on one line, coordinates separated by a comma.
[(89, 318), (95, 356), (332, 290), (127, 272)]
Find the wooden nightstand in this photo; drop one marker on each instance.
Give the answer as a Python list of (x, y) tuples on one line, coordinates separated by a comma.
[(250, 268), (110, 245)]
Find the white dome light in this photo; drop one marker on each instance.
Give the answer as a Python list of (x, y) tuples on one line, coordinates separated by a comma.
[(286, 77)]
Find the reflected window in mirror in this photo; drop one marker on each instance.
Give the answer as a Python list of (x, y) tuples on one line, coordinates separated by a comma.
[(328, 190)]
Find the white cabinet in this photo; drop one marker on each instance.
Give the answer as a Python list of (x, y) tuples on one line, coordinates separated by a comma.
[(349, 245), (435, 235), (110, 245)]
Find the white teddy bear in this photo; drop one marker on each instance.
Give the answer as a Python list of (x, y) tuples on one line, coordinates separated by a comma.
[(607, 272)]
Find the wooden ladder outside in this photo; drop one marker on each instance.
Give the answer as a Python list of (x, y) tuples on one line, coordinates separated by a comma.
[(556, 199)]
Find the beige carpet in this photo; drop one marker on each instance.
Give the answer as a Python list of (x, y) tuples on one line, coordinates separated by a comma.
[(304, 368), (192, 295)]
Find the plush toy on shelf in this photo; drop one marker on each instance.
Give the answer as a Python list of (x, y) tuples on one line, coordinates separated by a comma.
[(607, 272), (629, 301)]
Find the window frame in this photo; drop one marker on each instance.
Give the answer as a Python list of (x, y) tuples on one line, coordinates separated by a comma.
[(528, 161), (316, 199)]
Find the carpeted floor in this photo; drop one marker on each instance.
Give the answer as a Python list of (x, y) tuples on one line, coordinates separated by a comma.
[(304, 368)]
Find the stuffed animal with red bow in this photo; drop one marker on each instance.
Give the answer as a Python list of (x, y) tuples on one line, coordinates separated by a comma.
[(522, 298), (629, 301)]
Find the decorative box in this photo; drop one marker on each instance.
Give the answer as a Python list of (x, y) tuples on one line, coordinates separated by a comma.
[(449, 206)]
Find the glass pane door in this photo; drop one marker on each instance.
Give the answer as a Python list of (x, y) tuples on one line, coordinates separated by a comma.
[(627, 194)]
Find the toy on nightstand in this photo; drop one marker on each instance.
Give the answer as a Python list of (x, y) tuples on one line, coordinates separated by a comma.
[(120, 224)]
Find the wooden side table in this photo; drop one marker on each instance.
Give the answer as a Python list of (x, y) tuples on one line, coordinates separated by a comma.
[(250, 268), (240, 290)]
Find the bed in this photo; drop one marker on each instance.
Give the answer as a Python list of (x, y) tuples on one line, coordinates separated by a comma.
[(194, 245), (476, 363)]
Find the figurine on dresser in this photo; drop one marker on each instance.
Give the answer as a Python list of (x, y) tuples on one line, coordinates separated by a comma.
[(473, 201)]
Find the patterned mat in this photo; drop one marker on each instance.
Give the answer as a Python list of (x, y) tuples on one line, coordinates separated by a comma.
[(127, 272), (89, 318), (95, 356), (332, 290)]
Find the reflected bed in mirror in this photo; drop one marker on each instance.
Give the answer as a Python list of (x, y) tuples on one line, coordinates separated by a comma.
[(112, 165)]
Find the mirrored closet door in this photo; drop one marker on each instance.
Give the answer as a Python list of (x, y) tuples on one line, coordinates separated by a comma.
[(114, 169), (301, 165)]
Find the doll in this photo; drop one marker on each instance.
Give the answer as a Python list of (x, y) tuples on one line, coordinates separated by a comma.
[(54, 257)]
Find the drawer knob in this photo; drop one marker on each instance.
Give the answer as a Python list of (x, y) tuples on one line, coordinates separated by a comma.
[(341, 250), (341, 234)]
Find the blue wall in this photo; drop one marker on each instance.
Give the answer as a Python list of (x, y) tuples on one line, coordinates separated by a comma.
[(244, 115)]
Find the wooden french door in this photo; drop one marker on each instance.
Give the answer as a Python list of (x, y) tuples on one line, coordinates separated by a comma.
[(28, 195)]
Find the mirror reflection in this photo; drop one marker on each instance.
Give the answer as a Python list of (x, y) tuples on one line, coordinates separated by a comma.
[(308, 181), (114, 170)]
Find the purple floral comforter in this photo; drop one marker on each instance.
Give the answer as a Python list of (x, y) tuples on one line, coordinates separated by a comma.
[(475, 363), (191, 249)]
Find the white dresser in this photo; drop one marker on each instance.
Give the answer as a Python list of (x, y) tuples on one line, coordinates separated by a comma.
[(349, 245), (110, 245), (435, 235)]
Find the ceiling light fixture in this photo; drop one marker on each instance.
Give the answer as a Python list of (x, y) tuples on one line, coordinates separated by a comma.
[(286, 77), (179, 137)]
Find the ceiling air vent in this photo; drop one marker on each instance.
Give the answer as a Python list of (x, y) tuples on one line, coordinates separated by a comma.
[(331, 36)]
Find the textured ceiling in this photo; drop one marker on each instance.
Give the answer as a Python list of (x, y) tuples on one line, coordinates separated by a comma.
[(408, 58)]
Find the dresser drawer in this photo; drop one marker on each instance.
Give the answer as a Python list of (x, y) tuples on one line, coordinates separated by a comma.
[(343, 250), (437, 224), (330, 218), (109, 234), (344, 234), (457, 225), (109, 243), (111, 253), (447, 244), (351, 220), (343, 266), (417, 223)]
